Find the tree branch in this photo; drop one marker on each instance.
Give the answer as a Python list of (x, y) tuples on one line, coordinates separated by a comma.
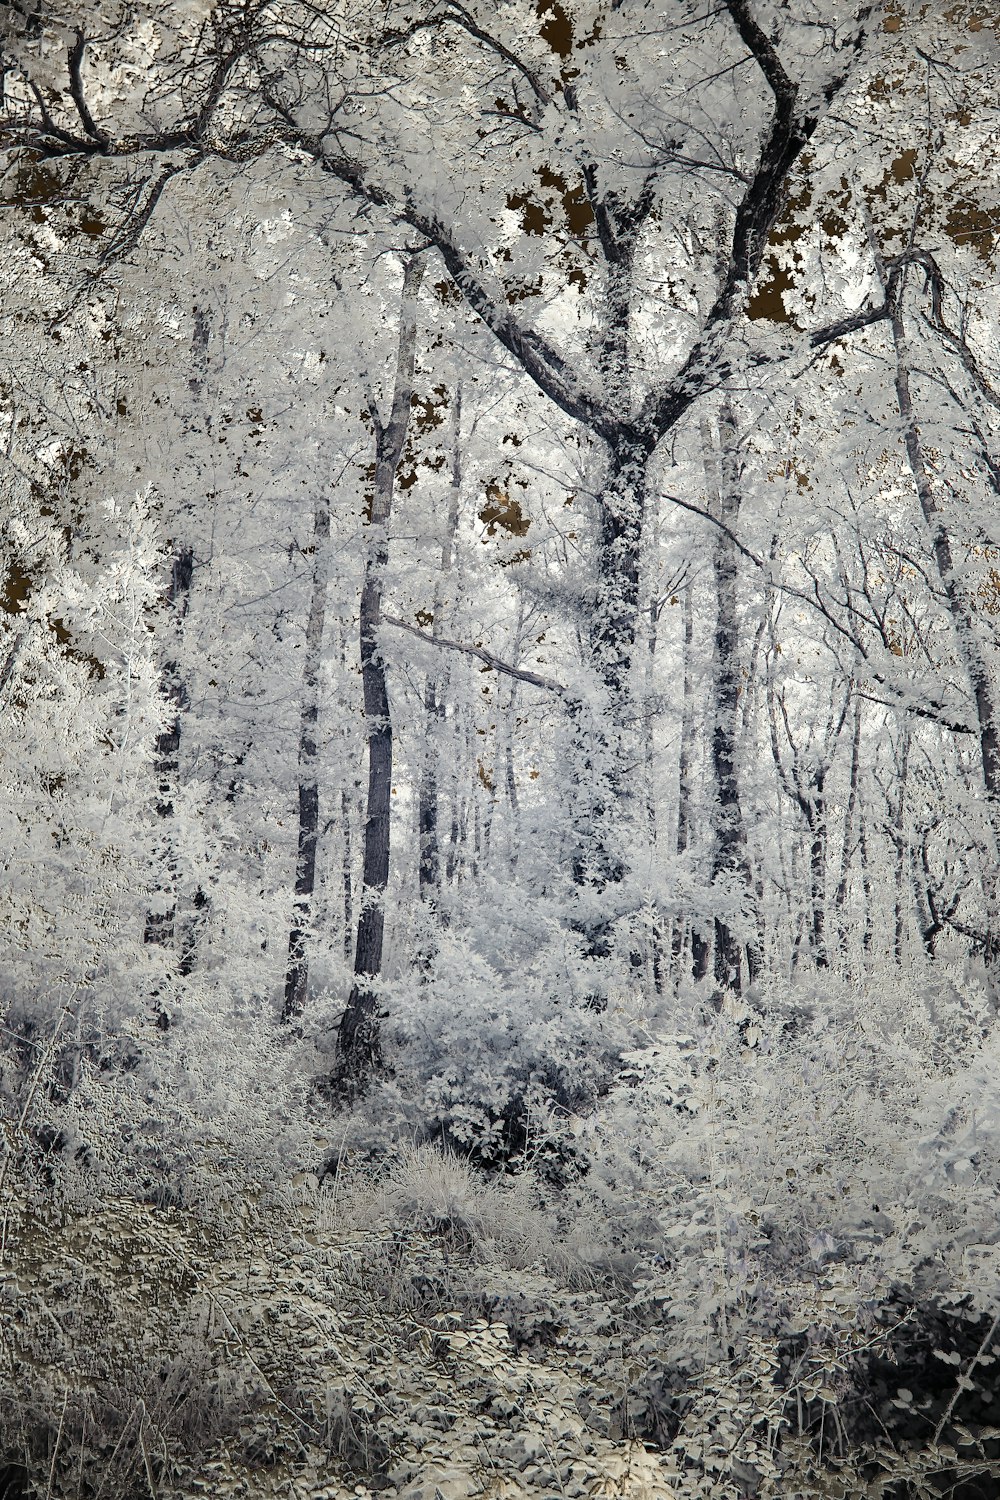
[(7, 670), (540, 361), (548, 684), (936, 712), (75, 67), (820, 337), (934, 281), (789, 132), (459, 16)]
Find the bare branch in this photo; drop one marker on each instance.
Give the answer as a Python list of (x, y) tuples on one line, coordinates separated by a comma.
[(790, 131), (548, 684), (75, 66), (820, 337), (459, 16), (544, 364), (935, 283), (937, 712)]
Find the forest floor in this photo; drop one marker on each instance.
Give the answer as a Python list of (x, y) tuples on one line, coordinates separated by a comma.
[(298, 1351), (421, 1335), (763, 1266)]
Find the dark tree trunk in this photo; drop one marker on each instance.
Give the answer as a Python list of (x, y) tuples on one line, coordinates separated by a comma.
[(297, 972), (358, 1043)]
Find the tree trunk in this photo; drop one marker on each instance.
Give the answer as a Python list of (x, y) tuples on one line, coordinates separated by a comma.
[(654, 943), (616, 606), (358, 1043), (606, 745), (817, 870), (512, 797), (347, 874), (969, 643), (159, 930), (297, 973), (429, 870), (428, 812), (730, 862), (700, 946), (866, 881), (840, 898), (901, 843)]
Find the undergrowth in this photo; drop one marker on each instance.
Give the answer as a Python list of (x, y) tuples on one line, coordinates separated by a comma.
[(773, 1273)]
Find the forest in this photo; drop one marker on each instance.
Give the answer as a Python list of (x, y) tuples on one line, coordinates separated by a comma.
[(499, 749)]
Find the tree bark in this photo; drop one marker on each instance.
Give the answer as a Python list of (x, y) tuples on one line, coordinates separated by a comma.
[(700, 946), (654, 943), (606, 746), (297, 972), (616, 606), (358, 1041), (347, 874)]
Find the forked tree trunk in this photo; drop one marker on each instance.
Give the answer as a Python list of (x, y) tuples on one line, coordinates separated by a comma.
[(297, 972), (358, 1042), (805, 786)]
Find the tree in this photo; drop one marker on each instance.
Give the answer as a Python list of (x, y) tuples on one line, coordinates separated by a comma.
[(660, 247), (358, 1040), (297, 976), (257, 76)]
